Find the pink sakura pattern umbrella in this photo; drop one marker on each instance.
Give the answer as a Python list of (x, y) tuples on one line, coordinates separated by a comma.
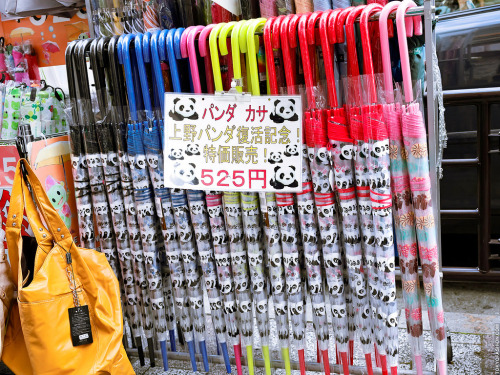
[(415, 142), (404, 215)]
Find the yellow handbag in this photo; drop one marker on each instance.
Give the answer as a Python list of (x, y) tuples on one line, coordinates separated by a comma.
[(61, 282)]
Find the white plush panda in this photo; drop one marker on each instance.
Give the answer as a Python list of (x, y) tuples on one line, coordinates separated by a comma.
[(284, 177), (176, 154), (192, 149), (284, 110), (184, 174), (183, 109), (275, 157)]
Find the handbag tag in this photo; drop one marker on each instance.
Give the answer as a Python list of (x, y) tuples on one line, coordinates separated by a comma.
[(79, 323)]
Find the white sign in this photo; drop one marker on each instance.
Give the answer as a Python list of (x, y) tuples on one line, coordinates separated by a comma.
[(233, 142)]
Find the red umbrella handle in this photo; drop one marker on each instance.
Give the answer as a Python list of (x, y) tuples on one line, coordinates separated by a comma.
[(271, 69), (367, 49), (287, 54), (308, 59), (352, 56), (327, 55)]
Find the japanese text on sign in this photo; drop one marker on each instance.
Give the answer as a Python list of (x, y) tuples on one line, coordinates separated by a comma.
[(225, 143)]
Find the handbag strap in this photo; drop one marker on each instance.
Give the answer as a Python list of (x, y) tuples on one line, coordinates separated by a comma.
[(55, 230)]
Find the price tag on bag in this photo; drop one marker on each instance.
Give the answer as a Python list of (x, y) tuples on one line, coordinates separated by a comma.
[(79, 323), (233, 142)]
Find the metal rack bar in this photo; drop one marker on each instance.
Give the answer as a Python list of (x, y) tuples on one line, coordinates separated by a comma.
[(310, 366)]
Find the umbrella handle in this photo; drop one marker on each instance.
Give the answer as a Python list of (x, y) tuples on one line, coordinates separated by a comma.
[(183, 42), (129, 83), (143, 75), (290, 73), (174, 72), (252, 68), (202, 45), (193, 62), (268, 45), (384, 48), (352, 56), (214, 55), (403, 48)]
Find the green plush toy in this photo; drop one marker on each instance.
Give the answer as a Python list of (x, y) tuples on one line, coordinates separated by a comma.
[(58, 196)]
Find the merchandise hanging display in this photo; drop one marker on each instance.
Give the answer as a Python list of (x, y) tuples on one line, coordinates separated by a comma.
[(253, 193)]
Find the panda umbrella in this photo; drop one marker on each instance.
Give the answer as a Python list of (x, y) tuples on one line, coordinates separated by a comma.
[(375, 130), (222, 255), (154, 157), (115, 197), (234, 226), (119, 133), (250, 201), (415, 141), (199, 217), (78, 160), (287, 220), (94, 163), (182, 220), (401, 194), (376, 133), (152, 242)]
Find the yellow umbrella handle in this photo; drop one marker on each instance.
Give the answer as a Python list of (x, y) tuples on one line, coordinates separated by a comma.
[(253, 70), (214, 56)]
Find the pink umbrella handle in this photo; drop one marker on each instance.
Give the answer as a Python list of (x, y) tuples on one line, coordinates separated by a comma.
[(367, 49), (384, 47), (403, 48), (271, 69), (184, 37), (202, 46), (193, 62)]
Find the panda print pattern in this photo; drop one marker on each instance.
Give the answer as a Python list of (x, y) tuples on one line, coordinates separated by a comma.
[(310, 240), (239, 266), (201, 225), (343, 157), (222, 260), (187, 246), (323, 183), (269, 215)]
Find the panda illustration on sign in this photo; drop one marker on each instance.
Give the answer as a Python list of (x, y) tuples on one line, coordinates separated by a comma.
[(184, 173), (183, 109), (192, 149), (275, 157), (284, 110), (291, 150), (176, 154), (284, 176)]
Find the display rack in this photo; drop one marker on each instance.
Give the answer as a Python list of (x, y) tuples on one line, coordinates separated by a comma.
[(428, 13)]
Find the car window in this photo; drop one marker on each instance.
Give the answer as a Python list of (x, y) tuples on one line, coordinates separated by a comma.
[(450, 6)]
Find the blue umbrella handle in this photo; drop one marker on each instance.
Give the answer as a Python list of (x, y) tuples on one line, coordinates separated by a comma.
[(156, 62), (203, 350), (192, 355), (123, 52), (172, 340), (174, 72), (143, 75)]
